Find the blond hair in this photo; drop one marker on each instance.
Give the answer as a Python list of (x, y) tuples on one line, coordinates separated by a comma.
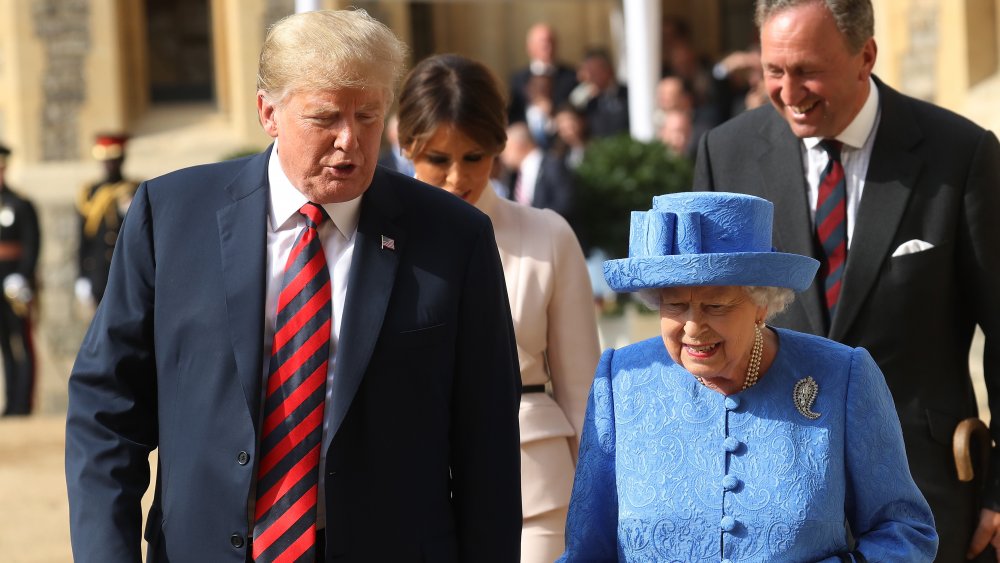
[(328, 50)]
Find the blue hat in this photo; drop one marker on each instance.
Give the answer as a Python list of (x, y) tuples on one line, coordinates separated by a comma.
[(706, 238)]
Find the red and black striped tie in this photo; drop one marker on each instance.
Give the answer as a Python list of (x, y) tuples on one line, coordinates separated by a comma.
[(831, 223), (291, 435)]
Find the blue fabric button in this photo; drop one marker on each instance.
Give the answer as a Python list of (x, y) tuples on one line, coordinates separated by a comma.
[(728, 524), (732, 403), (730, 444), (730, 482)]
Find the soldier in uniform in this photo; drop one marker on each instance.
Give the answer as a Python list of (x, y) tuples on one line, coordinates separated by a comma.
[(102, 207), (19, 245)]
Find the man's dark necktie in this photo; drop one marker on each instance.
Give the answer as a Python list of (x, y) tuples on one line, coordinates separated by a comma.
[(288, 472), (831, 223)]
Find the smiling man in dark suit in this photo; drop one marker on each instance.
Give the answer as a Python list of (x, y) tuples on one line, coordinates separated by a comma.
[(910, 194), (326, 374)]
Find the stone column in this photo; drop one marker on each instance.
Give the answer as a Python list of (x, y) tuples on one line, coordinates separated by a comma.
[(642, 54)]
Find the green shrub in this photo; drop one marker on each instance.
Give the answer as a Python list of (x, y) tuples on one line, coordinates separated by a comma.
[(619, 175)]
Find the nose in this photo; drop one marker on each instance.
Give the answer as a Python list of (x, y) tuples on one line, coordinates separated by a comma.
[(791, 90), (455, 178), (693, 325), (692, 328), (346, 139)]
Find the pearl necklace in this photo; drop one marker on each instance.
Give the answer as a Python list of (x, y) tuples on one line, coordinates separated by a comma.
[(753, 369)]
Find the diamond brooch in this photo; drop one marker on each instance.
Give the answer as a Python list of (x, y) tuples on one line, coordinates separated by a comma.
[(804, 396)]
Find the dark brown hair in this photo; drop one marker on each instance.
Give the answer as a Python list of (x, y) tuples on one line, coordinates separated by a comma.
[(451, 89)]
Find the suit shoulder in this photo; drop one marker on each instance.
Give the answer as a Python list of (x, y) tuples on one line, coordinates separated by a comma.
[(542, 230), (197, 178), (538, 219), (520, 76), (796, 339), (814, 353), (565, 69), (733, 133), (933, 117), (429, 202), (14, 197), (640, 355)]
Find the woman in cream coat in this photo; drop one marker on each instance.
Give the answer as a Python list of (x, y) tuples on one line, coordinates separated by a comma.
[(452, 125)]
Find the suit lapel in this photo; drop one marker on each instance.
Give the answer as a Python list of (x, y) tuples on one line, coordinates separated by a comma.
[(370, 284), (783, 183), (888, 186), (243, 241)]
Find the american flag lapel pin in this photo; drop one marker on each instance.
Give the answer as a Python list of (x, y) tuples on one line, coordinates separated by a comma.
[(388, 243)]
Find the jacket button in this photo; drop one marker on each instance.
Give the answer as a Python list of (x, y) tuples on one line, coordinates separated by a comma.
[(731, 444), (236, 540), (243, 458), (730, 482)]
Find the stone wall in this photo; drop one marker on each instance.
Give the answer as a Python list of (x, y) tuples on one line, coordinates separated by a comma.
[(918, 64), (62, 27), (61, 320)]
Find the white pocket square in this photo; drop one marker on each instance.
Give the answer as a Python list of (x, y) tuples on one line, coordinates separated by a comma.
[(911, 247)]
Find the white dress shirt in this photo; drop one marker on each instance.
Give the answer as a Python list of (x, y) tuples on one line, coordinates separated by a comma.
[(858, 139), (337, 237)]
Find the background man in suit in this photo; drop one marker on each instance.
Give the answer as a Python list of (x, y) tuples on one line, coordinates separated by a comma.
[(102, 206), (538, 179), (369, 417), (542, 61), (922, 200), (602, 99), (20, 244), (391, 156)]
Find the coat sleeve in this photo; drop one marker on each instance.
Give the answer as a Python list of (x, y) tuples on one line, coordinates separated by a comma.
[(31, 241), (572, 349), (703, 180), (485, 463), (888, 516), (592, 525), (979, 244), (111, 424)]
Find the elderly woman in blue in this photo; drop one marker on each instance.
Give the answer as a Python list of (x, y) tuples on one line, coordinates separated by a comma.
[(728, 440)]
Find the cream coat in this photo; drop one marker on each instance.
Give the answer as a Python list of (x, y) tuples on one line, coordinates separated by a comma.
[(552, 304)]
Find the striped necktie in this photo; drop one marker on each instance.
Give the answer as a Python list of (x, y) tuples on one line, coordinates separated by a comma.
[(288, 472), (831, 223)]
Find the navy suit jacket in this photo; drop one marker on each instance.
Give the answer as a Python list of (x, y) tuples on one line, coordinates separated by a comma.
[(563, 83), (934, 176), (422, 458)]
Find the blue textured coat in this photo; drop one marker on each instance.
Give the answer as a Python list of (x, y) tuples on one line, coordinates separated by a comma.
[(672, 471)]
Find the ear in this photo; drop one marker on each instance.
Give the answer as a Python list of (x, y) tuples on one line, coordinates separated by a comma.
[(266, 113), (868, 54)]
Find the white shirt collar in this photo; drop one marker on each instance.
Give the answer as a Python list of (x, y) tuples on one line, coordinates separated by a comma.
[(858, 130), (533, 160), (286, 200), (541, 68)]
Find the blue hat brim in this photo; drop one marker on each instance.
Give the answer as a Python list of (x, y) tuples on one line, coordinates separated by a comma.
[(762, 269)]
